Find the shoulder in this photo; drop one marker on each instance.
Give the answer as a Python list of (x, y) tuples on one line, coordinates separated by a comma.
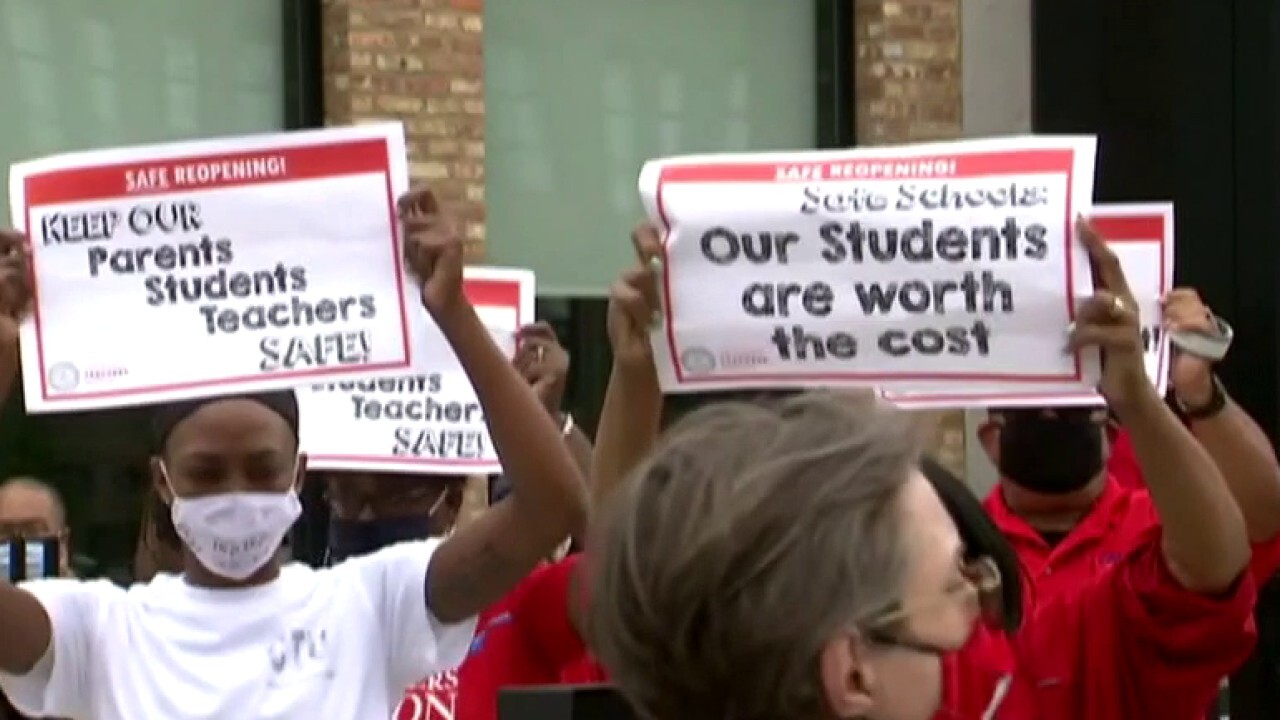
[(546, 589), (78, 603), (66, 589), (395, 561), (1135, 510), (413, 551)]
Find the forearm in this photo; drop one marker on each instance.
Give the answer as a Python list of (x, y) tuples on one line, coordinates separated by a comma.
[(629, 424), (8, 374), (581, 448), (1247, 462), (1205, 541), (548, 491)]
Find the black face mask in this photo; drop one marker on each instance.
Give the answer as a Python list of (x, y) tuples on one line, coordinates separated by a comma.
[(352, 538), (1054, 453)]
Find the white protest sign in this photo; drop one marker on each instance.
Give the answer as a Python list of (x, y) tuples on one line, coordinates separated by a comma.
[(427, 423), (209, 267), (945, 264), (1142, 237)]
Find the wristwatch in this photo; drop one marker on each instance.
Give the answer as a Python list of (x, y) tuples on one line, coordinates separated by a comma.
[(1211, 346), (1214, 405)]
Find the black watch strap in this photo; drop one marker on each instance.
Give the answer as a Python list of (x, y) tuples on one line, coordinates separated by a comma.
[(1217, 401)]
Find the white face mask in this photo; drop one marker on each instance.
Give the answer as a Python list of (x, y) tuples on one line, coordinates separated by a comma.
[(234, 534)]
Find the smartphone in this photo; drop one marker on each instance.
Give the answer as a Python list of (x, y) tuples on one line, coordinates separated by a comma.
[(29, 559)]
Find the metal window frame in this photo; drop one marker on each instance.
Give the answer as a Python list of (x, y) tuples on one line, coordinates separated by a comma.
[(834, 58), (303, 64)]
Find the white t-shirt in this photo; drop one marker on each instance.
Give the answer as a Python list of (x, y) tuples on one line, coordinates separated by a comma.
[(340, 643)]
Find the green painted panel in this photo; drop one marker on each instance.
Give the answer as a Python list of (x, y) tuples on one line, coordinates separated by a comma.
[(82, 74), (579, 93)]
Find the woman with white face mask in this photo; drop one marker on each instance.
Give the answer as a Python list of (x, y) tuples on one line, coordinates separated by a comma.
[(240, 635)]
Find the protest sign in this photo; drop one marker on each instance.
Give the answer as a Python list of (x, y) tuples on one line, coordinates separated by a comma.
[(1142, 237), (945, 264), (209, 267), (428, 423)]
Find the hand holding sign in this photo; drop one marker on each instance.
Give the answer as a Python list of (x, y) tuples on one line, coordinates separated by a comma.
[(434, 252), (1109, 320), (15, 302), (1192, 376), (15, 287), (633, 302)]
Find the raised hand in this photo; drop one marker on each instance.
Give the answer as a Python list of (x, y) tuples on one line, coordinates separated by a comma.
[(543, 362), (1191, 375), (434, 252), (634, 307), (1108, 320), (15, 287)]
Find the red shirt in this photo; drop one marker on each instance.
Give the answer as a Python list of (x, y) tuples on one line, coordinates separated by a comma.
[(527, 638), (1127, 643), (1141, 625), (1122, 463), (1111, 530), (1124, 468)]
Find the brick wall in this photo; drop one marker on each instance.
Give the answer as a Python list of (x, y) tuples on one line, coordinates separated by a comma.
[(908, 70), (420, 62), (909, 89)]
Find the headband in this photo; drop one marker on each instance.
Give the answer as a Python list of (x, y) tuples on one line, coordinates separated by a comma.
[(165, 418)]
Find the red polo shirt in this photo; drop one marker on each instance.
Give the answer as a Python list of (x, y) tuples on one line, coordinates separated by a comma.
[(1128, 642), (527, 638), (1122, 463), (1103, 597), (1111, 530), (1124, 468)]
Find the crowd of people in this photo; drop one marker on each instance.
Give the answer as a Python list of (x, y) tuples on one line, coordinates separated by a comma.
[(789, 556)]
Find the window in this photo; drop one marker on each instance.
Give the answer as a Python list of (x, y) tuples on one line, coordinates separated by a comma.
[(82, 74), (579, 93)]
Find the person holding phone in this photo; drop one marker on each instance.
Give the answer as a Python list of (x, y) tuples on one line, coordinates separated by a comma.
[(33, 530)]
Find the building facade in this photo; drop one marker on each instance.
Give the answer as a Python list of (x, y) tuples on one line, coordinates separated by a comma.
[(530, 119), (481, 89)]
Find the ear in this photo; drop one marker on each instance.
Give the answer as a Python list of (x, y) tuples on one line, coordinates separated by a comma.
[(64, 552), (158, 481), (300, 475), (846, 678), (989, 437)]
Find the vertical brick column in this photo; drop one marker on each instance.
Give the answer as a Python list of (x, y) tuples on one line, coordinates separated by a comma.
[(909, 77), (909, 84), (420, 62)]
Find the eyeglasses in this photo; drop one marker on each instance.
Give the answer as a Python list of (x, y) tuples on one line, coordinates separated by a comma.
[(386, 498), (980, 575)]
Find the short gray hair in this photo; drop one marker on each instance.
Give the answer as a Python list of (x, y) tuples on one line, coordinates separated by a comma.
[(752, 535)]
